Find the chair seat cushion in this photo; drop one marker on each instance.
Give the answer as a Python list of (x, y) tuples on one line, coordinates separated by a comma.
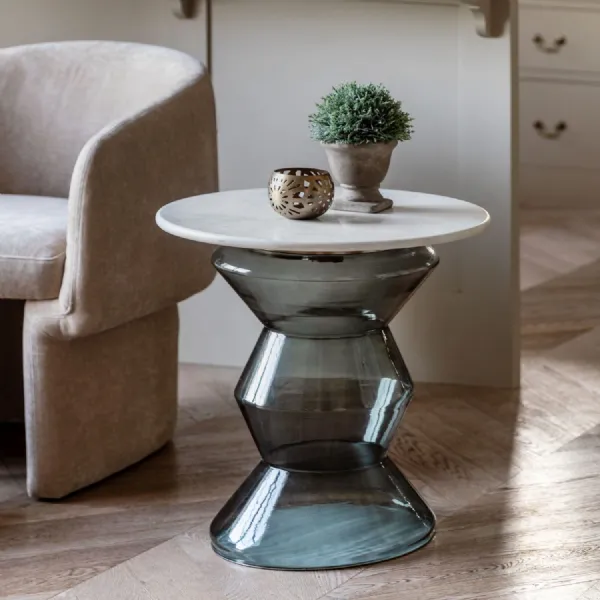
[(33, 240)]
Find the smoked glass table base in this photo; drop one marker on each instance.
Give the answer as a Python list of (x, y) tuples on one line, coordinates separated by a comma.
[(323, 394)]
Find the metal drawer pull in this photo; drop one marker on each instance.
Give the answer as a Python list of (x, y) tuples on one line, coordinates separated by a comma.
[(559, 129), (540, 41)]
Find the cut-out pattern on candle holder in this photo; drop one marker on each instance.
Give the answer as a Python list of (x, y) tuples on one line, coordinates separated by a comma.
[(301, 193)]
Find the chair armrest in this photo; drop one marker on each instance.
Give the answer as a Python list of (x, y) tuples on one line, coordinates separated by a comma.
[(120, 266)]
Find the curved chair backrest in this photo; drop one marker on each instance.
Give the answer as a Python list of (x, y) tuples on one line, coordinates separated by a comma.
[(54, 97)]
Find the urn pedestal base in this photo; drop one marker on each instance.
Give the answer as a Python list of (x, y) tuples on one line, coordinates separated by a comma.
[(359, 171), (361, 206)]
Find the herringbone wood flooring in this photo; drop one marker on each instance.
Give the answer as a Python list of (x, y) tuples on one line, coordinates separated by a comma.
[(514, 477)]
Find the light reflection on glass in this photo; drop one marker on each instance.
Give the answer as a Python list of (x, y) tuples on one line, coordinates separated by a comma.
[(250, 525), (265, 369), (377, 417)]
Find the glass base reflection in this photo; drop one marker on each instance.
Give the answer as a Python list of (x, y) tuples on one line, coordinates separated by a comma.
[(323, 394), (283, 519)]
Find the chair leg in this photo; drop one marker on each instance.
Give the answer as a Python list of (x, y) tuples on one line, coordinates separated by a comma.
[(96, 405), (11, 361)]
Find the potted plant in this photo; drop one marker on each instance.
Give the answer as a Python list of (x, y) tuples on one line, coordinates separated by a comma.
[(359, 126)]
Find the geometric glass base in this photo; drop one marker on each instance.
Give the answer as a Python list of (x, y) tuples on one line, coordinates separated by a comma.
[(282, 519), (323, 394)]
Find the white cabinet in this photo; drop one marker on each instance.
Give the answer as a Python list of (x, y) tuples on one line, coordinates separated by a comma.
[(560, 95)]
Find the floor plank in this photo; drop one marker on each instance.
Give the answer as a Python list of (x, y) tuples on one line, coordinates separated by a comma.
[(513, 477), (537, 534), (186, 568)]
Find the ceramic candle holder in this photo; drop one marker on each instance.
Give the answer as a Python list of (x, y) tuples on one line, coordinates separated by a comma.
[(301, 193)]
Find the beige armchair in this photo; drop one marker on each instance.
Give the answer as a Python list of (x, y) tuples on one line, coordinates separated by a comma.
[(94, 138)]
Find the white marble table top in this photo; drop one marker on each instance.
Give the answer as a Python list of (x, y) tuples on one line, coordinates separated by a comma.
[(245, 219)]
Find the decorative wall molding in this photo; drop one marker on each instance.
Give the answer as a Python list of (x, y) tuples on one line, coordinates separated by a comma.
[(431, 2), (560, 76), (452, 3), (449, 3), (590, 5), (491, 16)]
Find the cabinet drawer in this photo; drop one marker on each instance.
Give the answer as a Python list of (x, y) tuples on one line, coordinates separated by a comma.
[(566, 39), (547, 187), (544, 107)]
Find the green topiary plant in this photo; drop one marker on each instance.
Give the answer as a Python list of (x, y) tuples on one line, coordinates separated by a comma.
[(360, 114)]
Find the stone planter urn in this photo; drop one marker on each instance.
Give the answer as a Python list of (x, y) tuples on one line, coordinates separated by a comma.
[(359, 125), (358, 171)]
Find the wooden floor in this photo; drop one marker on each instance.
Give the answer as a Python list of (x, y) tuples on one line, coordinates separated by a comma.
[(514, 477)]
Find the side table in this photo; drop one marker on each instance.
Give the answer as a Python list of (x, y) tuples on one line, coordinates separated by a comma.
[(326, 386)]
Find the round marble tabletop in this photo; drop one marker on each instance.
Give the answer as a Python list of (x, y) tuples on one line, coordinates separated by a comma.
[(245, 219)]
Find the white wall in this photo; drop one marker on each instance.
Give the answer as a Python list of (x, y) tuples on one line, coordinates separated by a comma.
[(274, 58), (144, 21), (272, 61), (467, 330)]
